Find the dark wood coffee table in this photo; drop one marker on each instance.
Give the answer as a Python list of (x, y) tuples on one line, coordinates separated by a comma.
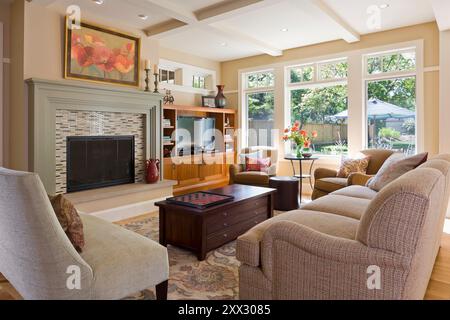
[(203, 230)]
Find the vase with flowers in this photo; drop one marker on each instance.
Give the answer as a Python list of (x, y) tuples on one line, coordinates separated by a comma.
[(301, 138)]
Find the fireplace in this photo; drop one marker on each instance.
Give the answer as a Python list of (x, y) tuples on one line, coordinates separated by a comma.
[(99, 161)]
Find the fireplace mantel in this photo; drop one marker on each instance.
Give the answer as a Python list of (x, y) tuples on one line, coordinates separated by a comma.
[(47, 96)]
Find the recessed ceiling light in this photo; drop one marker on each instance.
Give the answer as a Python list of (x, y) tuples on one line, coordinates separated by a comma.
[(143, 16), (98, 1), (224, 44), (384, 6), (284, 30)]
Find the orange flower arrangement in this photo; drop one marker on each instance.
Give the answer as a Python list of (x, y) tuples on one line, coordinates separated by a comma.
[(301, 138)]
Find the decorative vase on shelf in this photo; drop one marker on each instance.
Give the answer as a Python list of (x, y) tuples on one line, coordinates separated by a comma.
[(299, 151), (221, 100)]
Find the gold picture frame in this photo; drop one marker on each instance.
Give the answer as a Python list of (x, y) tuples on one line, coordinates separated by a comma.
[(101, 55)]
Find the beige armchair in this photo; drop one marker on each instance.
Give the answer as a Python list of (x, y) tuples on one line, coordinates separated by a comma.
[(260, 179), (316, 255), (327, 182), (37, 258)]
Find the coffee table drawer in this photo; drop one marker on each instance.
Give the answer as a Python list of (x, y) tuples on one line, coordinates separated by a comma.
[(236, 214), (231, 233)]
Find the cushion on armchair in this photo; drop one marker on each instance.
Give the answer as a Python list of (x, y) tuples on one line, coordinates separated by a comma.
[(349, 166), (252, 178), (69, 219), (330, 184), (259, 164)]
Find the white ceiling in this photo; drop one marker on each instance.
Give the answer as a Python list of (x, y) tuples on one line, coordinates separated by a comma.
[(400, 13), (255, 28), (306, 24)]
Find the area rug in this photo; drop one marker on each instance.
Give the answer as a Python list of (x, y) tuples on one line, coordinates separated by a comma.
[(215, 278)]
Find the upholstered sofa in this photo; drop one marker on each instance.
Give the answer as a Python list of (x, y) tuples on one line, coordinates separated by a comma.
[(38, 259), (326, 180), (260, 179), (330, 249)]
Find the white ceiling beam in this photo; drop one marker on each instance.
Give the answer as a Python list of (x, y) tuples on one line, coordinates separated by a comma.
[(172, 10), (441, 10), (231, 9), (236, 37), (348, 33), (45, 3), (182, 20), (166, 28)]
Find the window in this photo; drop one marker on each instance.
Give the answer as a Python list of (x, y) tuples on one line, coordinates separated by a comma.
[(391, 62), (391, 114), (198, 82), (166, 76), (260, 108), (260, 80), (302, 74), (333, 70), (320, 105), (391, 102)]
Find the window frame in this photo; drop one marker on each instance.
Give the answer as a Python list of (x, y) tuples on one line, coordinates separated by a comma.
[(244, 141), (388, 74), (356, 80), (318, 83), (415, 73)]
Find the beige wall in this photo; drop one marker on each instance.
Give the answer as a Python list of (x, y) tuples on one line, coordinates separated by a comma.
[(5, 13), (38, 51), (18, 133), (44, 54), (428, 32)]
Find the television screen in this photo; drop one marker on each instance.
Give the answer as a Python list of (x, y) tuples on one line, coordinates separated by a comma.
[(195, 134)]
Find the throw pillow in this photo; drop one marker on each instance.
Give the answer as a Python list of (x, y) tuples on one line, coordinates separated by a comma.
[(349, 166), (394, 167), (69, 219), (261, 165), (253, 155)]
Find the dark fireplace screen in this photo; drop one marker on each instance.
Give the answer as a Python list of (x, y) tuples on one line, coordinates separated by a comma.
[(95, 162)]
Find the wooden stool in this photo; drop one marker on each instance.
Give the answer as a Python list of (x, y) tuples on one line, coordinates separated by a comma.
[(287, 196)]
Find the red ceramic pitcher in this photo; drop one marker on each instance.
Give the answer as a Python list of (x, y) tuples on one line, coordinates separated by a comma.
[(152, 171)]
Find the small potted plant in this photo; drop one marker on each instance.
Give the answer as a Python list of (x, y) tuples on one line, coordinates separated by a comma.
[(301, 138)]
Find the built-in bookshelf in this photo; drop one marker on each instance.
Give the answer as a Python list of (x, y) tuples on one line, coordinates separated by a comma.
[(195, 171)]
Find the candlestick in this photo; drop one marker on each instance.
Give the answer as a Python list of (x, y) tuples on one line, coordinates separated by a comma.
[(147, 80), (155, 69), (156, 82), (148, 64)]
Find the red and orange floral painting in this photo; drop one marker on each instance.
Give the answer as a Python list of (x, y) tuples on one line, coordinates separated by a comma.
[(97, 54)]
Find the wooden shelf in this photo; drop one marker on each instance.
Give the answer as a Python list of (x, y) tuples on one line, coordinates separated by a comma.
[(168, 143), (199, 109), (171, 127)]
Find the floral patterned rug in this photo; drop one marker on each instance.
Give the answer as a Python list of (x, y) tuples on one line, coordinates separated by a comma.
[(216, 278)]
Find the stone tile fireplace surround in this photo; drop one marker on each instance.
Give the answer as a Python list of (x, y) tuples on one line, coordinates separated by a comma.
[(58, 109)]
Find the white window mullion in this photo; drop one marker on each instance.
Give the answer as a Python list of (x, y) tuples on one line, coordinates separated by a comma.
[(356, 105)]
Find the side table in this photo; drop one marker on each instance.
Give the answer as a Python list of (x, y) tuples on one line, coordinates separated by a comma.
[(287, 197)]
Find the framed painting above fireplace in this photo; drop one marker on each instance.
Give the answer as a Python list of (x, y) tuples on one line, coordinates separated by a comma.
[(94, 53)]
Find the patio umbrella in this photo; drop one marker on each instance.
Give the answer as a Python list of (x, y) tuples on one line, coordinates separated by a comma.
[(380, 110)]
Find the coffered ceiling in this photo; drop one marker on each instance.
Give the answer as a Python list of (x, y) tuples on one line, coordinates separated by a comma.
[(229, 29)]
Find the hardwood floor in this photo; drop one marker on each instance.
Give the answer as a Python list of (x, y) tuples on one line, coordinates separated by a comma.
[(438, 288)]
